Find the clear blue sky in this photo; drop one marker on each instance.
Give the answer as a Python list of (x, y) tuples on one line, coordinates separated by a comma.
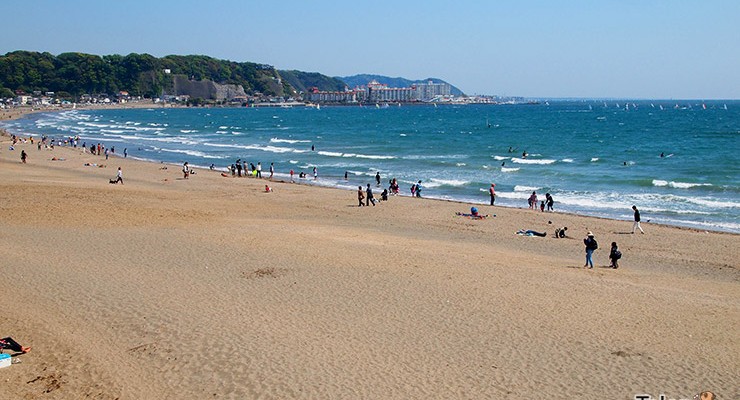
[(627, 48)]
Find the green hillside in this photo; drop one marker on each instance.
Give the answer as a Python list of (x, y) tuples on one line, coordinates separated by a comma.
[(73, 74)]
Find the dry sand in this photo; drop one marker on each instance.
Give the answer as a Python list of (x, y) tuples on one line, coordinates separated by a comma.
[(165, 288)]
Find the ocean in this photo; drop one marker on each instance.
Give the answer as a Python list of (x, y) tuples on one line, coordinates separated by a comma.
[(595, 158)]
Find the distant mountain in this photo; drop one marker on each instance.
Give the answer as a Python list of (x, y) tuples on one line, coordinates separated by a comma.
[(363, 79)]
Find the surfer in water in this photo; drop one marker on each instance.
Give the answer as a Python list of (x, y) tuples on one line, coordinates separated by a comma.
[(524, 154)]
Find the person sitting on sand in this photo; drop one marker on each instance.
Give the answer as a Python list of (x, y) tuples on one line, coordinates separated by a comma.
[(474, 214), (268, 189), (560, 232), (10, 344)]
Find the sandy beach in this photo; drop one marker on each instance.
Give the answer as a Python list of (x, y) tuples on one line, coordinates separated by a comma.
[(166, 288)]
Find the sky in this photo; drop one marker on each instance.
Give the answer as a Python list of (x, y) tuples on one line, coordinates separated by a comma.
[(536, 49)]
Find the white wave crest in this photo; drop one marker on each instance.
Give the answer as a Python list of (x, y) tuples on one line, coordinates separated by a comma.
[(193, 153), (595, 159), (522, 188), (291, 141), (330, 153), (500, 158), (568, 160), (678, 185), (504, 169), (375, 157), (434, 182), (530, 161)]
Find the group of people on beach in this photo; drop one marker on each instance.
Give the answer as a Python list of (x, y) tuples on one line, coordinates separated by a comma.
[(253, 171), (549, 202), (614, 253)]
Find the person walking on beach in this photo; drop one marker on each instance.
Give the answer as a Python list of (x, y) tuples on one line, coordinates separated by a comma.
[(360, 196), (492, 192), (591, 245), (418, 189), (549, 201), (24, 156), (533, 201), (369, 196), (615, 255), (272, 170), (636, 225), (119, 176), (185, 170), (125, 152), (291, 176), (315, 173)]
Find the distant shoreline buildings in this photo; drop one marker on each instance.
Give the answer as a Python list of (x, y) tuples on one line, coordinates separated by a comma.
[(375, 92)]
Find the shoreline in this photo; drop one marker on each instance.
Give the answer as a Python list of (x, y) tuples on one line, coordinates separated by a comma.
[(210, 287), (22, 111)]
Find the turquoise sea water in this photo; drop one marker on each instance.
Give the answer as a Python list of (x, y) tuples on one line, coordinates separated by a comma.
[(595, 158)]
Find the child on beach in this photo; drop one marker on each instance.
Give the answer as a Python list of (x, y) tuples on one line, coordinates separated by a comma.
[(542, 206), (360, 196), (615, 255)]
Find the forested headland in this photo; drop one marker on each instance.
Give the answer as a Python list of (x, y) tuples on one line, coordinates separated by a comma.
[(70, 75)]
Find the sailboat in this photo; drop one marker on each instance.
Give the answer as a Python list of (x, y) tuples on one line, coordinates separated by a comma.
[(725, 106), (318, 106)]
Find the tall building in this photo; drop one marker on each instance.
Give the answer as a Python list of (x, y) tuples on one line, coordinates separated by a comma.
[(378, 92), (430, 90)]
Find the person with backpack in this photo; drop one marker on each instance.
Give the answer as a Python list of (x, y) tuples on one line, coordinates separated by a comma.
[(615, 255), (591, 246)]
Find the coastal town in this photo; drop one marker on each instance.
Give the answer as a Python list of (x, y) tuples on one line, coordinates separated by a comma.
[(208, 93)]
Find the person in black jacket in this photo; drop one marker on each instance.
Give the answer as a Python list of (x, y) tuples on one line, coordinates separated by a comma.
[(591, 245), (636, 225)]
